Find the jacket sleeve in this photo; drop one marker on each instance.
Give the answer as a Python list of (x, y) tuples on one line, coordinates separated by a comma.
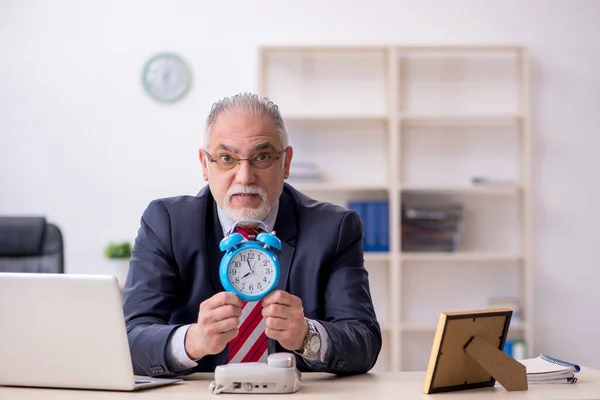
[(350, 318), (151, 293)]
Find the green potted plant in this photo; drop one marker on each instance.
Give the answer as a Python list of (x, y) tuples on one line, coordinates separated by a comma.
[(120, 250), (118, 254)]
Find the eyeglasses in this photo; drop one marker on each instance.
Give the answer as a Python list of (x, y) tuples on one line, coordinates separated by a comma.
[(226, 161)]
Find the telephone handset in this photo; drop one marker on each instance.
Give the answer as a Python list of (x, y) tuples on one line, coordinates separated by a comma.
[(278, 375)]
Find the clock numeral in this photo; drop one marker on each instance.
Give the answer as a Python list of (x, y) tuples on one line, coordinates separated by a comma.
[(265, 263), (258, 285), (237, 264), (237, 280), (250, 256), (251, 287), (243, 257), (259, 254), (268, 271), (243, 285), (265, 279), (233, 271)]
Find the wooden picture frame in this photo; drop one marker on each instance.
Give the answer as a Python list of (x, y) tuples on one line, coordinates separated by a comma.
[(467, 353)]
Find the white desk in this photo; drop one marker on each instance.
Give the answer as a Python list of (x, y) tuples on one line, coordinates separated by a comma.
[(404, 385)]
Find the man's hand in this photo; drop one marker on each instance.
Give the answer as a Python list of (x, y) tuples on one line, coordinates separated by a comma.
[(285, 319), (218, 323)]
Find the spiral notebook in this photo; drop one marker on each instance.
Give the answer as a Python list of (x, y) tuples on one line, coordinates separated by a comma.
[(547, 369)]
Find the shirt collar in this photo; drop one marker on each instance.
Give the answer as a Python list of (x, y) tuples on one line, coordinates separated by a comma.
[(227, 224)]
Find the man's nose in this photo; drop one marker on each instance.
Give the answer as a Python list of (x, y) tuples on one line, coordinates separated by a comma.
[(245, 173)]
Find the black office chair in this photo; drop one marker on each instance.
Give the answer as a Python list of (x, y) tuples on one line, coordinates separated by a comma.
[(30, 244)]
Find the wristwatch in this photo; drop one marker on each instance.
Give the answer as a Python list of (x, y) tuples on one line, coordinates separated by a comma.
[(312, 341)]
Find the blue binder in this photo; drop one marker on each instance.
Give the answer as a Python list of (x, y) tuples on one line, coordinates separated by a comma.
[(371, 226), (360, 207), (375, 217), (383, 226)]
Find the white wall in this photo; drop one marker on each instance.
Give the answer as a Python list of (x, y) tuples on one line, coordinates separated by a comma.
[(82, 144)]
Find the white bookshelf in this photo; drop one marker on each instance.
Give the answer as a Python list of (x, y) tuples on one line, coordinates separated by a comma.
[(400, 122)]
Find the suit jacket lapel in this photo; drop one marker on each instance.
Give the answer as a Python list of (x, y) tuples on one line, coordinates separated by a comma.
[(286, 229), (212, 254)]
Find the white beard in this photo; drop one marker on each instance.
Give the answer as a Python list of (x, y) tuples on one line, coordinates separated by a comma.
[(246, 213)]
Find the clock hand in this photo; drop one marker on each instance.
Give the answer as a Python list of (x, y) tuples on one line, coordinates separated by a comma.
[(249, 272)]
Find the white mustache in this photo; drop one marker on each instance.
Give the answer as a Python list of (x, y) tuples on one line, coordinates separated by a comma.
[(259, 213), (245, 190)]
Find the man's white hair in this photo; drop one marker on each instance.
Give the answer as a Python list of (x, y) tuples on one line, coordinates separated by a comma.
[(247, 103)]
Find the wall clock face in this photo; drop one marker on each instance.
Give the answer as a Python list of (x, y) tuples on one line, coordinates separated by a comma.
[(166, 77)]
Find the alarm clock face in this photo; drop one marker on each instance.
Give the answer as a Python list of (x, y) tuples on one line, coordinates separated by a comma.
[(252, 272)]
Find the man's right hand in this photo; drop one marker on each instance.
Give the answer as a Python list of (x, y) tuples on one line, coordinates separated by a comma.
[(218, 323)]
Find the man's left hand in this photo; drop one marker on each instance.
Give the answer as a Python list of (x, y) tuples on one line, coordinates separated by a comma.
[(285, 319)]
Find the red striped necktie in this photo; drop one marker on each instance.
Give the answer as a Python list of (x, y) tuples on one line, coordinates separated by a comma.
[(251, 343)]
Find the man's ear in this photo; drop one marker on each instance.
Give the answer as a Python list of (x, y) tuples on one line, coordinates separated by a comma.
[(289, 153), (204, 161)]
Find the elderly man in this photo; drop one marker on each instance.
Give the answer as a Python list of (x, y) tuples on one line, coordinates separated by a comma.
[(180, 319)]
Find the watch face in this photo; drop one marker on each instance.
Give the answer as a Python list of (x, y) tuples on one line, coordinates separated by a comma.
[(251, 272), (314, 344), (166, 77)]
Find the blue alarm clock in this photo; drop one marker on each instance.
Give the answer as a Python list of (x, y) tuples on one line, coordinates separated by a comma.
[(249, 268)]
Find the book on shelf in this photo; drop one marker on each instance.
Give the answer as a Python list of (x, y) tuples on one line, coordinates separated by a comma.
[(547, 369), (376, 225)]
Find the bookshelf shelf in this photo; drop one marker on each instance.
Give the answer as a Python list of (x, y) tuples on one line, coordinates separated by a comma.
[(323, 49), (337, 187), (452, 257), (405, 125), (462, 48), (460, 119), (473, 189), (316, 118), (377, 256)]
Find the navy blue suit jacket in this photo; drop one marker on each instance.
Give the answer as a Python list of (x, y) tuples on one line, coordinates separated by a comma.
[(175, 263)]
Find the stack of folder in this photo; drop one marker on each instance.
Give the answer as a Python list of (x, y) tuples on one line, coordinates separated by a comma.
[(431, 227)]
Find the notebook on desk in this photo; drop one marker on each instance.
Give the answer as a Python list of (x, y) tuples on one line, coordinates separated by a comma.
[(547, 369), (65, 331)]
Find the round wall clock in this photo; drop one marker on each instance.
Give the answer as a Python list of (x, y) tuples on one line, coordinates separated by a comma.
[(166, 77)]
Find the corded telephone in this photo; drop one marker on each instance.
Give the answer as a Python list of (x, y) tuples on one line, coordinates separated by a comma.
[(278, 375)]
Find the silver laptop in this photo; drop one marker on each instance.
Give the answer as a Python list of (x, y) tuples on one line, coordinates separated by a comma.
[(65, 331)]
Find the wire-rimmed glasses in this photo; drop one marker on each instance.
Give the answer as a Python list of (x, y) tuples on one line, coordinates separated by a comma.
[(226, 161)]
